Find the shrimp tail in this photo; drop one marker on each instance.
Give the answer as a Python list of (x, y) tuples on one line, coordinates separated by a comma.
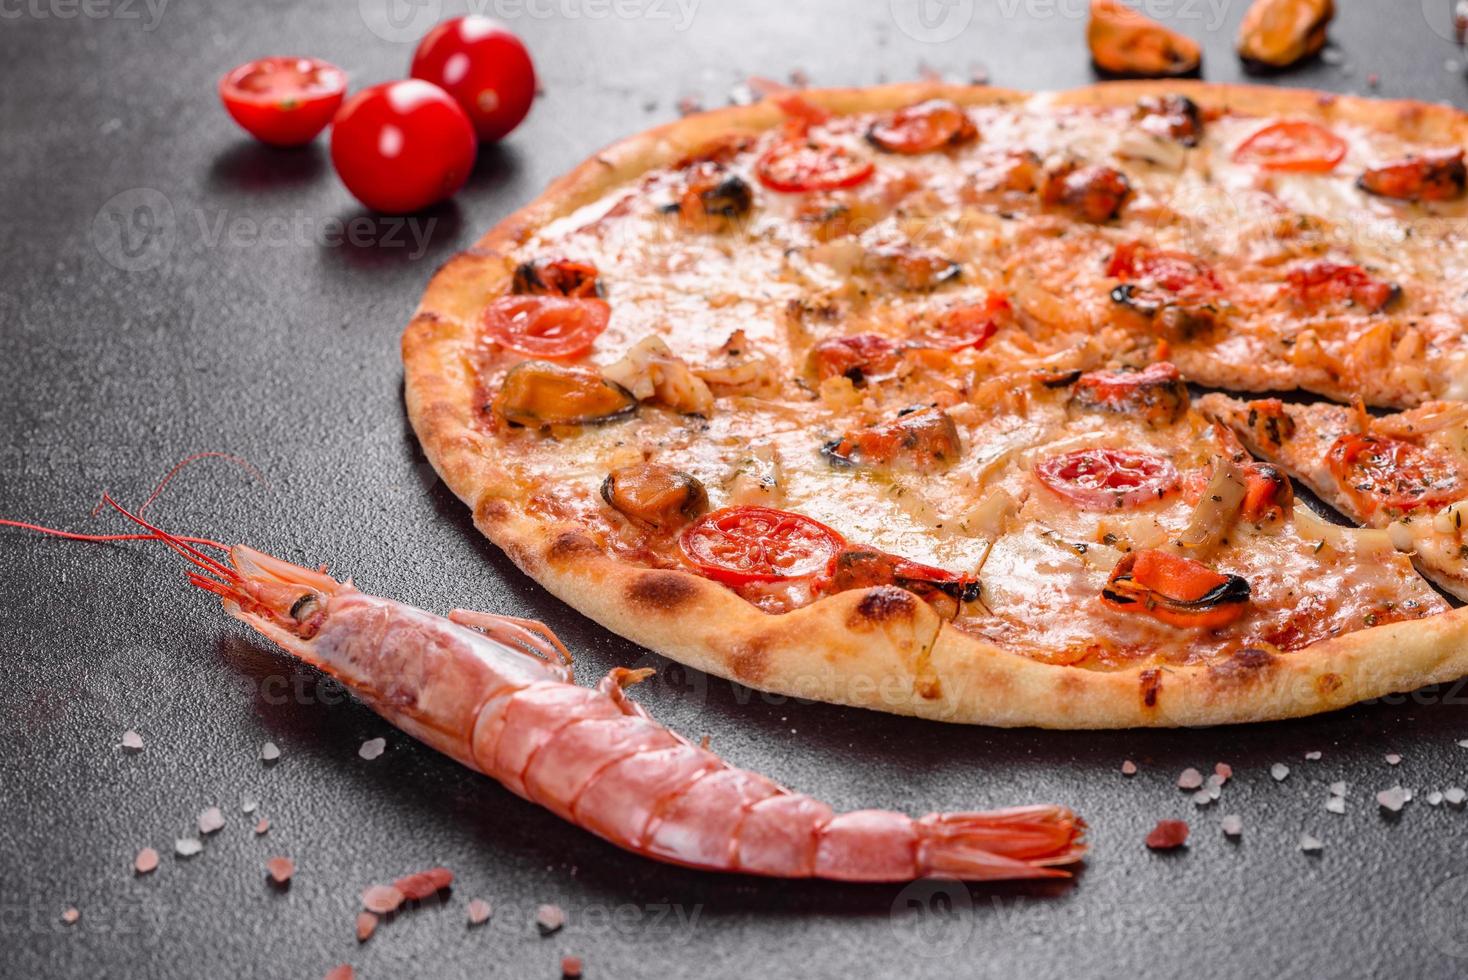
[(1019, 842)]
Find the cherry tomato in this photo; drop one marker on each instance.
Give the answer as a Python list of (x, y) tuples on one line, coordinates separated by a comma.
[(739, 545), (283, 101), (1322, 283), (484, 67), (1109, 479), (546, 326), (1293, 145), (1377, 472), (799, 165), (402, 146), (969, 326), (922, 128)]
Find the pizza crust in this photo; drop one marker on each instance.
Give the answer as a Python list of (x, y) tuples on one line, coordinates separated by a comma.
[(882, 647)]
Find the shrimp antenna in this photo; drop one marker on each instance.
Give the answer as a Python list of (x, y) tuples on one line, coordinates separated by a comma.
[(239, 461), (178, 544)]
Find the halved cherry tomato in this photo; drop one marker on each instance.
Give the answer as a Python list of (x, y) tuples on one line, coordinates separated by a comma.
[(1293, 144), (922, 128), (968, 326), (484, 67), (1175, 590), (1109, 479), (739, 545), (402, 146), (546, 326), (1377, 472), (283, 101), (1322, 283), (797, 165)]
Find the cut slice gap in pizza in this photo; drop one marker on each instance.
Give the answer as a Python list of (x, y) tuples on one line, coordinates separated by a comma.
[(1405, 473)]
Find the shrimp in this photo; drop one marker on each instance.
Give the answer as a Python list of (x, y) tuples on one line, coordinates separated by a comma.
[(496, 694)]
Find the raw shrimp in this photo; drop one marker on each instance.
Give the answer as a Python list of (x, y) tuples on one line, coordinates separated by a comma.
[(495, 693)]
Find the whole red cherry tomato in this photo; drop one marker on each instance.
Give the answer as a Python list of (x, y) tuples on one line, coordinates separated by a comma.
[(484, 67), (402, 146), (283, 101)]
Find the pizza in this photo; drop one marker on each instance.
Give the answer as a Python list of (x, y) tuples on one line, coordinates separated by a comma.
[(882, 397)]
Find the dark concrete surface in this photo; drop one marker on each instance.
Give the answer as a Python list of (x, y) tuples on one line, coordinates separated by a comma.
[(229, 313)]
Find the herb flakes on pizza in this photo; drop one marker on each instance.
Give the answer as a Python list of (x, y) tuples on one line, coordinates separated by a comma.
[(880, 397)]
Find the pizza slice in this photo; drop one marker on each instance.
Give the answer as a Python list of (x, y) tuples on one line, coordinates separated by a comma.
[(1405, 473)]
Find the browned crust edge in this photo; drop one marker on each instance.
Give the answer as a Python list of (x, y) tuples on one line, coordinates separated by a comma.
[(881, 648)]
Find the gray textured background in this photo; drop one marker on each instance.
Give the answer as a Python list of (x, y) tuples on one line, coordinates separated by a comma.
[(235, 321)]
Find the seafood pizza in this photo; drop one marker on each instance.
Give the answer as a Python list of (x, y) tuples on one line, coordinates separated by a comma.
[(881, 397)]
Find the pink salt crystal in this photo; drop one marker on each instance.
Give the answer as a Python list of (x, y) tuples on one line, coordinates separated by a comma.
[(1190, 779), (571, 967), (262, 826), (1128, 768), (211, 820), (366, 926), (549, 919), (146, 860), (343, 972), (479, 911), (132, 741), (1167, 835), (281, 869), (1224, 771), (71, 915)]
